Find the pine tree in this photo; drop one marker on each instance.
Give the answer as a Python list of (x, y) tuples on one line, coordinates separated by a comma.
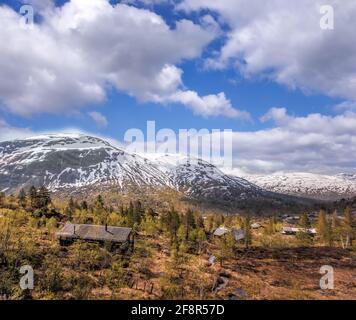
[(171, 222), (304, 221), (324, 228), (200, 221), (44, 198), (130, 215), (247, 231), (138, 212), (70, 208), (22, 198), (189, 222), (33, 197), (84, 205), (271, 226), (348, 216), (2, 198), (303, 236), (348, 226), (335, 221), (99, 202), (226, 245)]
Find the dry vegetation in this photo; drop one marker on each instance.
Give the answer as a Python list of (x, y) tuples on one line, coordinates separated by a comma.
[(171, 256)]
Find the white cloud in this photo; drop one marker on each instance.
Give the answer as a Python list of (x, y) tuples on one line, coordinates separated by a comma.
[(99, 119), (282, 40), (8, 132), (314, 143), (84, 48), (345, 106)]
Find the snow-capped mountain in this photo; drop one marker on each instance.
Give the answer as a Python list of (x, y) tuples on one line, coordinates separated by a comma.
[(199, 179), (75, 162), (63, 161), (311, 185), (72, 162)]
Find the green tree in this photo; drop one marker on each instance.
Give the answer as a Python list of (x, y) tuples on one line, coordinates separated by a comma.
[(148, 225), (247, 230), (44, 198), (33, 197), (335, 220), (189, 222), (2, 198), (271, 228), (99, 202), (171, 222), (348, 227), (226, 246), (197, 238), (22, 198), (304, 221), (324, 228), (84, 205)]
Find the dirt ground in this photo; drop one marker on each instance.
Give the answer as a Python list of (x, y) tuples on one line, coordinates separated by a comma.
[(289, 273), (255, 273)]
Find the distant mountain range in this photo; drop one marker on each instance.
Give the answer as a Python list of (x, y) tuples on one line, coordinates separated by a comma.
[(310, 185), (72, 162)]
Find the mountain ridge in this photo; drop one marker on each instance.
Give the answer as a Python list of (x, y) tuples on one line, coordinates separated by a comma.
[(72, 162)]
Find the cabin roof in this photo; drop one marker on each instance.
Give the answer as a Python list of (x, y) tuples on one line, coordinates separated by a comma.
[(239, 234), (256, 225), (295, 230), (221, 231), (94, 233)]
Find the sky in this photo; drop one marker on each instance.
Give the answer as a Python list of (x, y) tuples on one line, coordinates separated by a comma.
[(281, 75)]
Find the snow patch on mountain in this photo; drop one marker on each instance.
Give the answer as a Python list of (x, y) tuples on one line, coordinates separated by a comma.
[(63, 161), (310, 185)]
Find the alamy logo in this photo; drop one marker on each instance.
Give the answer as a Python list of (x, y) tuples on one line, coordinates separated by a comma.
[(327, 280), (28, 15), (27, 281), (213, 146), (327, 20)]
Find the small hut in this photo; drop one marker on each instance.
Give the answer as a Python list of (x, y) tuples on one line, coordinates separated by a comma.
[(116, 237), (221, 231), (294, 231), (256, 225), (238, 234)]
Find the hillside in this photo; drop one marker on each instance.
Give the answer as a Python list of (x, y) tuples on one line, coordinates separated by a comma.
[(74, 163)]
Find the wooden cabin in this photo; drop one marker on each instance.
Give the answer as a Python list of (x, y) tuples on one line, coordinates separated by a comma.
[(256, 225), (115, 237), (294, 231), (238, 234)]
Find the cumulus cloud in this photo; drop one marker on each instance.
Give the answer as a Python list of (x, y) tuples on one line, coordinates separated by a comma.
[(83, 48), (282, 40), (210, 105), (99, 119), (314, 143)]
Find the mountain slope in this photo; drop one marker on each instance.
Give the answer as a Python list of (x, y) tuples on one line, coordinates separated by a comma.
[(76, 163), (204, 182), (316, 186), (72, 161)]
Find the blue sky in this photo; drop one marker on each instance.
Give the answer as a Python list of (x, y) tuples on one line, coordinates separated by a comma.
[(255, 73)]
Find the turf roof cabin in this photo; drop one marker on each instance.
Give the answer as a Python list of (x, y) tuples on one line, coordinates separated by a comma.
[(115, 237)]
